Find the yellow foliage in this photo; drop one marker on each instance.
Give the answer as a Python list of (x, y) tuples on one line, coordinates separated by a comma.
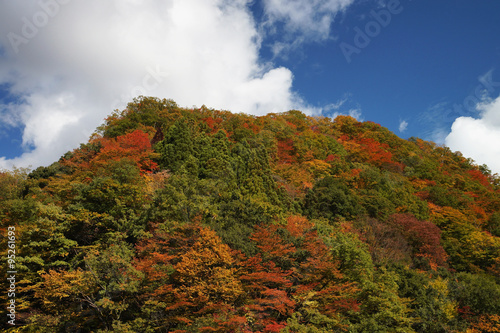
[(317, 167), (448, 307), (205, 271), (155, 181), (59, 286), (440, 214)]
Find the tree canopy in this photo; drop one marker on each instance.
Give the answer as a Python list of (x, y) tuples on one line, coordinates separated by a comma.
[(198, 220)]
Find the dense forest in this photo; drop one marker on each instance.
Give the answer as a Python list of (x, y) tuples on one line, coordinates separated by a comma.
[(198, 220)]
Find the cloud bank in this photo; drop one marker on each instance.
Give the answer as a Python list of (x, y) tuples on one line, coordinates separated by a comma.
[(65, 65), (479, 138)]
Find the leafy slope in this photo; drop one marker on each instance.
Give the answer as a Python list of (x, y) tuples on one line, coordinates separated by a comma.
[(177, 220)]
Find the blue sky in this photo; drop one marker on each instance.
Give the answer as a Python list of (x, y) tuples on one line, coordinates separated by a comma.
[(428, 69)]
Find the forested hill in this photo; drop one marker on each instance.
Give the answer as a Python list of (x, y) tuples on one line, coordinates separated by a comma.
[(180, 220)]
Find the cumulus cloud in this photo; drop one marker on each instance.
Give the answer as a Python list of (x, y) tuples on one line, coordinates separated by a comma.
[(71, 63), (295, 22), (403, 124), (478, 138)]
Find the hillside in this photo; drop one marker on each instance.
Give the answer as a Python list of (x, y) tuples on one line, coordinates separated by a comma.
[(180, 220)]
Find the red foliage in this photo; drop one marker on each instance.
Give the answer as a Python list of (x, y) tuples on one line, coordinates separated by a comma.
[(368, 150), (286, 152), (134, 146), (251, 126), (291, 125), (331, 158), (274, 327), (423, 236), (210, 122), (214, 124), (465, 312), (293, 262), (266, 285), (274, 248), (377, 153), (424, 195), (479, 176), (320, 273)]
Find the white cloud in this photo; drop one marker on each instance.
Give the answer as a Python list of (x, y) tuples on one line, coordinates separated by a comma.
[(71, 64), (355, 113), (479, 138), (344, 106), (437, 135), (337, 105), (309, 18), (403, 124)]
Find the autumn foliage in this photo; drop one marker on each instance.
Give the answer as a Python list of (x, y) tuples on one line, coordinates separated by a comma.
[(134, 146), (199, 220)]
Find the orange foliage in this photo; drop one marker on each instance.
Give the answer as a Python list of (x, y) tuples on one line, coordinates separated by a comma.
[(315, 274), (286, 151), (297, 225), (134, 146), (331, 158), (190, 270), (480, 177), (214, 124), (253, 127), (486, 323)]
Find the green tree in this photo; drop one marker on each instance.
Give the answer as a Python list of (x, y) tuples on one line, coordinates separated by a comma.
[(331, 198), (176, 147)]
